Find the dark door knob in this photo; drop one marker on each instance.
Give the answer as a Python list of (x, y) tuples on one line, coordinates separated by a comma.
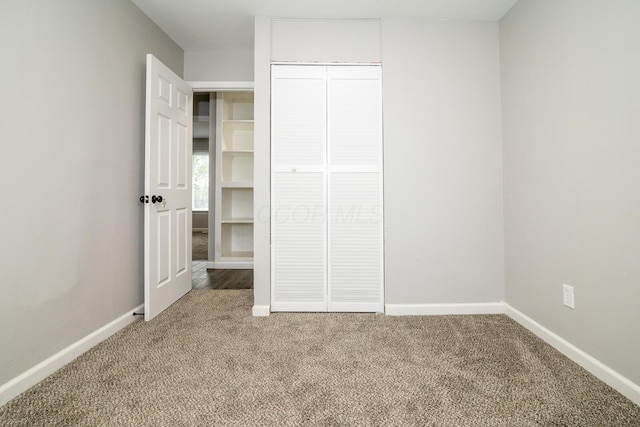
[(156, 199), (144, 199)]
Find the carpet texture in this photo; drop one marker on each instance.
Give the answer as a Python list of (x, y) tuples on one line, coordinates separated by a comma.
[(205, 361), (200, 246)]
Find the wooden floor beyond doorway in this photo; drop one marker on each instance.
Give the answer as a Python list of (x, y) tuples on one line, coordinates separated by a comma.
[(219, 279)]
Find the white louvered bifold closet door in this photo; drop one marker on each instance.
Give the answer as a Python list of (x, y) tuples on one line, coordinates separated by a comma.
[(355, 188), (326, 205), (298, 188)]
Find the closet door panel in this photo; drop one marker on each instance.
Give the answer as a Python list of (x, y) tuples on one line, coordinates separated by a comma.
[(355, 116), (298, 116), (355, 189), (298, 242), (299, 197), (355, 263)]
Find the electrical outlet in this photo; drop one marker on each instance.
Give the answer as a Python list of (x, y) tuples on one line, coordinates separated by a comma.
[(567, 296)]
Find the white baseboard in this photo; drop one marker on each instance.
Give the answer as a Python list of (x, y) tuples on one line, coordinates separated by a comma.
[(47, 367), (260, 310), (612, 378), (442, 309)]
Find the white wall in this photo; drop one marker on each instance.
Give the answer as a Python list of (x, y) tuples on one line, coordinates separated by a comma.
[(571, 130), (443, 162), (443, 179), (200, 220), (262, 165), (73, 79), (218, 66), (311, 40)]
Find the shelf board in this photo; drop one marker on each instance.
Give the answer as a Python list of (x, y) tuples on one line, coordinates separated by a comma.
[(237, 121), (237, 256), (229, 184), (244, 263), (237, 151), (237, 221)]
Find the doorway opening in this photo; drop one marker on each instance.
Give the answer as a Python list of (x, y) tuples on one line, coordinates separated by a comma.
[(222, 181), (202, 178)]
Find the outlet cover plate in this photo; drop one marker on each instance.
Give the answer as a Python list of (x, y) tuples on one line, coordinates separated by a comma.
[(567, 296)]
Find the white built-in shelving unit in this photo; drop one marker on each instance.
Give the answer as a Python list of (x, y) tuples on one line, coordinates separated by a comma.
[(234, 180)]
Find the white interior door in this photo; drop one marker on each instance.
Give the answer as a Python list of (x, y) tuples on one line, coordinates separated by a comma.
[(167, 215)]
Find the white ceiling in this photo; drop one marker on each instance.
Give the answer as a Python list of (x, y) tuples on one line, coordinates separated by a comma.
[(227, 25)]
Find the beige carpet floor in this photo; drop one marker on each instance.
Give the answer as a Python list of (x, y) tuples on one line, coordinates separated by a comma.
[(206, 362)]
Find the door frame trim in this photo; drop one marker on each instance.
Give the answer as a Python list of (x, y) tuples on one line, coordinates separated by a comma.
[(220, 86)]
